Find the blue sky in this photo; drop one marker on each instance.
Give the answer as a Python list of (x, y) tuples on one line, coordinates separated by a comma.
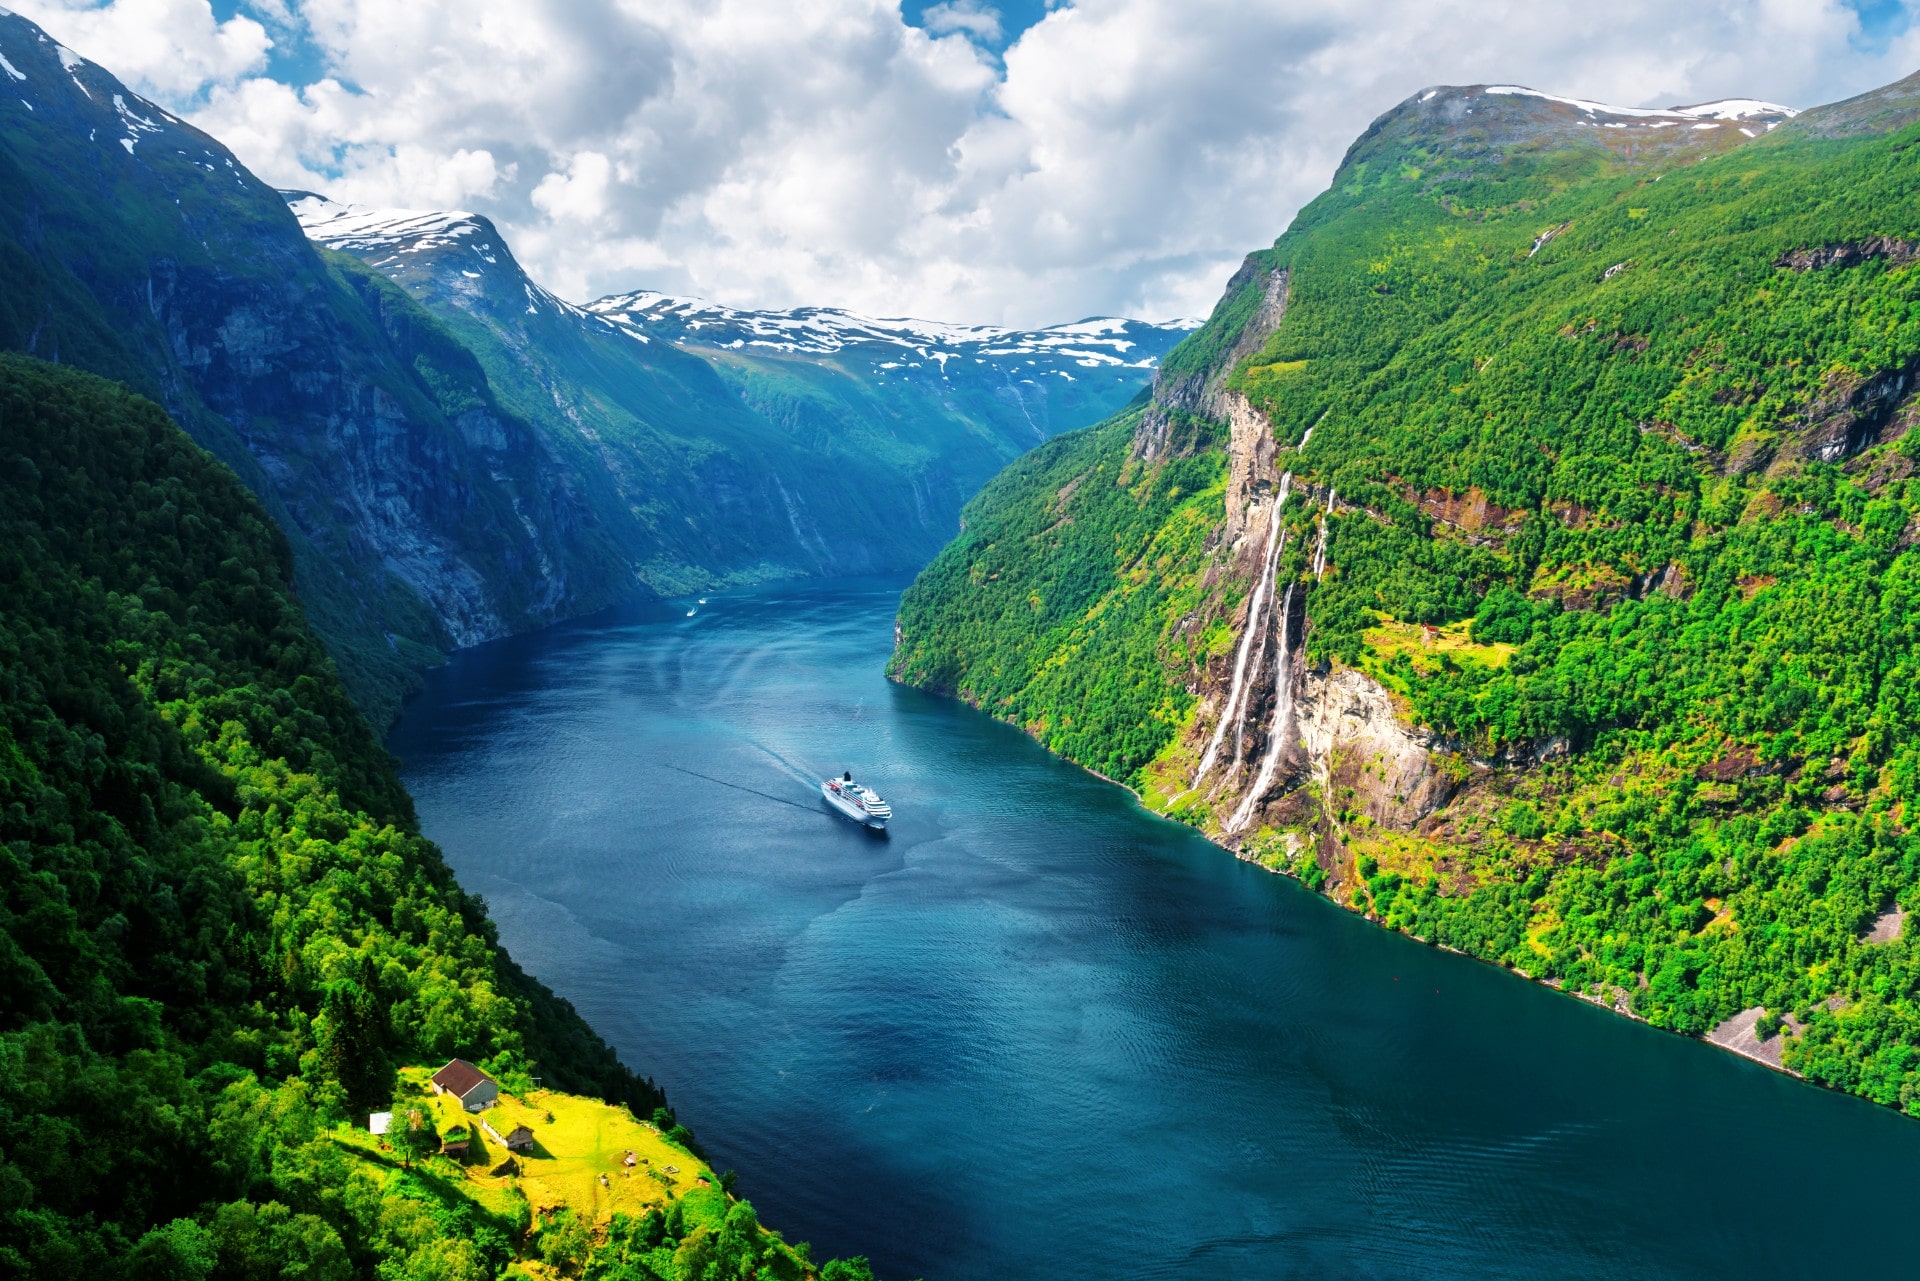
[(1881, 21), (1014, 17)]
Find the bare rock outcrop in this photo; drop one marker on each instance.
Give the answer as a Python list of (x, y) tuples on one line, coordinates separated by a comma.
[(1358, 749), (1850, 253), (1250, 460), (1203, 393), (1741, 1034)]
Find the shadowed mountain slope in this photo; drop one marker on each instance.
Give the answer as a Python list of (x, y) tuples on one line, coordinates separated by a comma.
[(726, 446), (422, 513)]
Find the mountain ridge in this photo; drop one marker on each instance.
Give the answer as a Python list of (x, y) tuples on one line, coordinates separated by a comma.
[(1520, 555), (823, 442), (422, 514)]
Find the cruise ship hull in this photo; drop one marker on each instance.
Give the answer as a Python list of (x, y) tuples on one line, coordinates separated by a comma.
[(850, 809)]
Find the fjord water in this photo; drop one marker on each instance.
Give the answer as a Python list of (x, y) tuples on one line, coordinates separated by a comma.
[(1036, 1032)]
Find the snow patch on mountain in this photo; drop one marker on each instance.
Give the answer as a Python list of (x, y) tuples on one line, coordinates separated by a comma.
[(360, 228), (385, 236), (1092, 343), (1706, 115), (1737, 109), (388, 238)]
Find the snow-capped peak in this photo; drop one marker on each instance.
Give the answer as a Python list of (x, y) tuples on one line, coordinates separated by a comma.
[(361, 227), (393, 240), (387, 238)]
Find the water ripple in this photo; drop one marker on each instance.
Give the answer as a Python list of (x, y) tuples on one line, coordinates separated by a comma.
[(1035, 1032)]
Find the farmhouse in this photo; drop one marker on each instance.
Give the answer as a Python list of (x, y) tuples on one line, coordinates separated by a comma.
[(467, 1083)]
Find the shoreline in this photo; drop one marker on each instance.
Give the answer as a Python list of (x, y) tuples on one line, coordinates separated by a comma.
[(1612, 1007)]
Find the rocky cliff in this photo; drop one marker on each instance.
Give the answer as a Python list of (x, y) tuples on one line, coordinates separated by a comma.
[(423, 513)]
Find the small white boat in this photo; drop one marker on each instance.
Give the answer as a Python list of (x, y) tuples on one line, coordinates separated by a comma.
[(703, 600), (692, 612), (861, 804)]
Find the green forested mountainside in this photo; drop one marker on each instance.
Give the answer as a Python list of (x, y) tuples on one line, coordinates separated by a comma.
[(220, 930), (1658, 464), (421, 513), (1049, 607)]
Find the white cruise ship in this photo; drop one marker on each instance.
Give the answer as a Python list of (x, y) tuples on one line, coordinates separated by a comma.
[(861, 804)]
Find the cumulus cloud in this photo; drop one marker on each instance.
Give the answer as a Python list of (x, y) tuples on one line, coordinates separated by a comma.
[(1119, 156), (174, 47)]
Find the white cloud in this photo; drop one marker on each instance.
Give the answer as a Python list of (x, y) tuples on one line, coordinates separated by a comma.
[(979, 21), (581, 193), (174, 47), (1120, 156)]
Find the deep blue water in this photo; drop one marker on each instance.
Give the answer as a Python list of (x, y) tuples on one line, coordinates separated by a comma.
[(1035, 1032)]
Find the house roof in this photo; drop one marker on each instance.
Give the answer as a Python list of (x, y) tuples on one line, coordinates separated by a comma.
[(519, 1134), (459, 1077)]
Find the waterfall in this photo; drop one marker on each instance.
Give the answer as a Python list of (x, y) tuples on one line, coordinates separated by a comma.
[(1277, 727), (1320, 552), (1274, 552), (1263, 585), (1259, 660)]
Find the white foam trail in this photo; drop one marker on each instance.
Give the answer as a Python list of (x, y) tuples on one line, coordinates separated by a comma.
[(1320, 552), (1304, 439), (1277, 729), (1260, 591)]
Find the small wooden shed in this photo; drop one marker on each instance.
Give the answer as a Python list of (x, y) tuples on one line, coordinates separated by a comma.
[(518, 1139)]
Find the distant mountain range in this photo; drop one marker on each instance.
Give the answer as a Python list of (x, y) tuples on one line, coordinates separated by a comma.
[(728, 446), (454, 453)]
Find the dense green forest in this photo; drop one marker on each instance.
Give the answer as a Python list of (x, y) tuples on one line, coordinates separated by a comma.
[(220, 930), (1639, 422), (1047, 611)]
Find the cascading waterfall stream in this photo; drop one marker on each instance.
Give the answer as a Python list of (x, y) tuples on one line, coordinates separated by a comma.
[(1259, 656), (1275, 550), (1262, 588), (1320, 552), (1277, 727)]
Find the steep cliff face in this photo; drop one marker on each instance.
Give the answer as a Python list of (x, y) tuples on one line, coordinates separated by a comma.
[(1542, 580), (1255, 304), (423, 514), (1274, 743)]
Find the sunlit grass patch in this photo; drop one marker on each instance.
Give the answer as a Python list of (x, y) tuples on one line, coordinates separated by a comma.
[(576, 1143), (1425, 646)]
